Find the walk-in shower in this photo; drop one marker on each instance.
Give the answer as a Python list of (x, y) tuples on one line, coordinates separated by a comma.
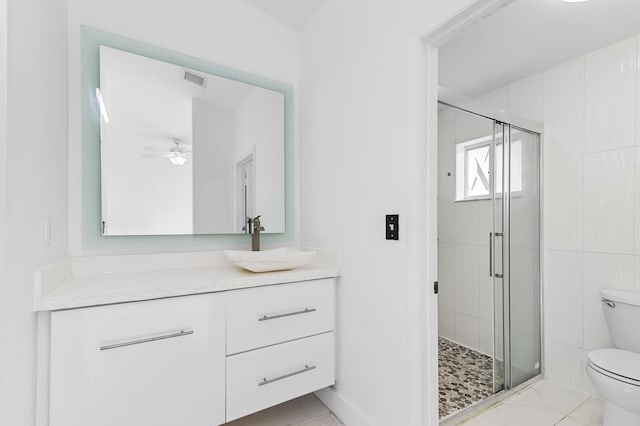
[(488, 257)]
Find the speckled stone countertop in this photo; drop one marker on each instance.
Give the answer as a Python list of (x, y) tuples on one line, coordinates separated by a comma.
[(63, 289)]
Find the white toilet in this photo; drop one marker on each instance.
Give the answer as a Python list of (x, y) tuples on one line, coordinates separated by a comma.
[(615, 373)]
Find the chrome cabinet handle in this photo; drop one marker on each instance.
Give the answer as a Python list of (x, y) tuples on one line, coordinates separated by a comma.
[(146, 340), (270, 317), (266, 381)]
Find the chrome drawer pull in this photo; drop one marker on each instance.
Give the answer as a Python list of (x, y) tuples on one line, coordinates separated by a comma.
[(266, 381), (146, 340), (305, 311)]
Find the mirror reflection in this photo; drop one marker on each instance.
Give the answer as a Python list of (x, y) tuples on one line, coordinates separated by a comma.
[(186, 152)]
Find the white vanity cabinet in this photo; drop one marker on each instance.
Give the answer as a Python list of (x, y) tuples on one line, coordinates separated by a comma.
[(192, 360), (155, 363), (280, 343)]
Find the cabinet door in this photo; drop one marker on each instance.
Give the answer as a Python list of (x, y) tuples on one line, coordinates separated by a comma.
[(152, 363)]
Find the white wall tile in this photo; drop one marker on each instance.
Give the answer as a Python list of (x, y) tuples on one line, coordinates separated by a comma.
[(498, 99), (525, 353), (525, 295), (447, 276), (485, 287), (636, 215), (446, 218), (565, 364), (563, 283), (486, 338), (446, 189), (467, 331), (446, 323), (526, 98), (610, 89), (608, 201), (467, 222), (637, 118), (470, 126), (467, 287), (636, 273), (446, 144), (485, 221), (563, 203), (602, 271), (564, 110)]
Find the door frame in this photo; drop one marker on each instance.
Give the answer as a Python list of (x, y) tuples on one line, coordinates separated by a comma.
[(422, 184)]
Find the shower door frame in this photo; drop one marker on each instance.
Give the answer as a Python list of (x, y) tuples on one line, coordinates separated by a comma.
[(501, 228), (506, 129)]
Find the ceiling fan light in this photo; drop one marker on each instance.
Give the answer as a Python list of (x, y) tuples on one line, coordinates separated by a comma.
[(177, 160)]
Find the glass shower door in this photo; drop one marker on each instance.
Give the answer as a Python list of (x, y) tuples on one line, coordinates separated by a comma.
[(524, 255), (489, 209), (498, 253), (516, 255)]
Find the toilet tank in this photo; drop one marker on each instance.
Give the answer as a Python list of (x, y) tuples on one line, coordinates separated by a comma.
[(622, 313)]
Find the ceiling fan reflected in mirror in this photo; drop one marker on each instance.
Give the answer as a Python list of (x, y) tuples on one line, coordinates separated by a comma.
[(177, 155)]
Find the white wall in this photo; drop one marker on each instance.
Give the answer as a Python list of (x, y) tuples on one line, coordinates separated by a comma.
[(258, 126), (354, 170), (589, 107), (213, 141), (147, 106), (4, 202), (226, 32), (143, 196), (36, 185)]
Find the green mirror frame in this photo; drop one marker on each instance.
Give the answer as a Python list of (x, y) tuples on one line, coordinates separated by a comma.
[(92, 238)]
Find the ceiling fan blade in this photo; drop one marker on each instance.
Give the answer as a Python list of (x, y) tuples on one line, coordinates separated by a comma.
[(156, 155), (154, 149)]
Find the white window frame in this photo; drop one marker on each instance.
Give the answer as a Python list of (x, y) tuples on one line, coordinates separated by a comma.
[(461, 186)]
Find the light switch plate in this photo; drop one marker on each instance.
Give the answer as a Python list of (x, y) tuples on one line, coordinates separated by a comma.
[(392, 227)]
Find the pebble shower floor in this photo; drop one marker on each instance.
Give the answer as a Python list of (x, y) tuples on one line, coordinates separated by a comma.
[(465, 377)]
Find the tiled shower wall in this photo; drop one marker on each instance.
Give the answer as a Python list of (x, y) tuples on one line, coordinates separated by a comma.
[(590, 107), (465, 300)]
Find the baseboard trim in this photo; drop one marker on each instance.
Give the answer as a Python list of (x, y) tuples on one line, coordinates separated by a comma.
[(346, 411)]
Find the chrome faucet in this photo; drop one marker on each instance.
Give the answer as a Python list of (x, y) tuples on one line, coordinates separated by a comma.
[(255, 227)]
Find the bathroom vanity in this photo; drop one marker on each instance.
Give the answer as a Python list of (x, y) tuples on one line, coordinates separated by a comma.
[(190, 344)]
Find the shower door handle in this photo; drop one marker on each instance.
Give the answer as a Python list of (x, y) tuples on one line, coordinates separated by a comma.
[(490, 254), (497, 234)]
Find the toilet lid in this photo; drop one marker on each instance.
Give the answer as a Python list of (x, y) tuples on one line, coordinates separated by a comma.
[(617, 362)]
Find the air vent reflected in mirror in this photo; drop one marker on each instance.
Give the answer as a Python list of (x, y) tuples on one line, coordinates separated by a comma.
[(195, 78)]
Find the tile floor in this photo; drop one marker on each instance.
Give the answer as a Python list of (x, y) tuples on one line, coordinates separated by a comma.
[(307, 410), (464, 377), (541, 404), (544, 403)]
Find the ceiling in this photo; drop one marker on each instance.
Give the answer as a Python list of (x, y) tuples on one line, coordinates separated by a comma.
[(529, 36), (150, 99), (292, 13)]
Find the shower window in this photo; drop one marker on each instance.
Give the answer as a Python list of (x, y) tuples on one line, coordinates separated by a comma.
[(473, 166)]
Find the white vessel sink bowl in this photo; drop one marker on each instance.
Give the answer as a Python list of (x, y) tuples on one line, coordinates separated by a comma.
[(269, 260)]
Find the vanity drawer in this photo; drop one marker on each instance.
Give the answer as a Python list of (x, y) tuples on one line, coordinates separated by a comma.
[(269, 376), (159, 362), (263, 316)]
